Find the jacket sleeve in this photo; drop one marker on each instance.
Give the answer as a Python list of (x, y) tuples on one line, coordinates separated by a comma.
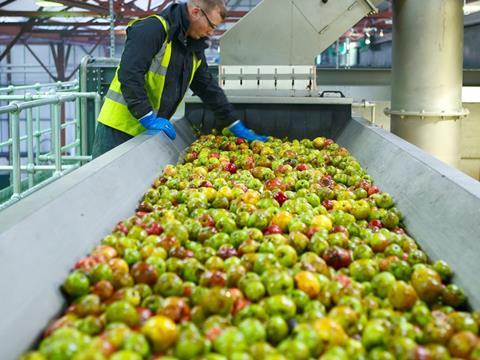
[(144, 40), (206, 87)]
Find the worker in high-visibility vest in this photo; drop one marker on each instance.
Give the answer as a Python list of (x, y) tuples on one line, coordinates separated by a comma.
[(163, 56)]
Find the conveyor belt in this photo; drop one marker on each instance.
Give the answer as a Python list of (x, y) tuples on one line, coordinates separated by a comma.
[(43, 235)]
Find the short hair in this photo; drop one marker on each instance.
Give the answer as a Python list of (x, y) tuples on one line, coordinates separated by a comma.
[(209, 5)]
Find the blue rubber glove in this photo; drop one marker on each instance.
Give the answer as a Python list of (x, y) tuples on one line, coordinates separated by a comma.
[(155, 124), (240, 130)]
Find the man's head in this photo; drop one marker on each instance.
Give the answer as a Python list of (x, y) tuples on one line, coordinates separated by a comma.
[(204, 17)]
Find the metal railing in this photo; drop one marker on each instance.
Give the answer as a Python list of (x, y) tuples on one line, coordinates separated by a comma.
[(62, 157), (364, 105), (58, 86)]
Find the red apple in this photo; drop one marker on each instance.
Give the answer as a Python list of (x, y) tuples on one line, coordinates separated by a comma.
[(86, 264), (328, 142), (280, 197), (375, 224), (272, 229), (121, 227), (372, 190), (274, 183), (154, 229), (302, 167), (337, 257), (206, 184), (328, 204), (231, 168)]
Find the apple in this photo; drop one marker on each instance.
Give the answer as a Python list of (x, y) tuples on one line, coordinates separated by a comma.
[(283, 249), (280, 305), (402, 296), (280, 282), (308, 283), (76, 284), (427, 284), (122, 311), (231, 168), (276, 329), (337, 257), (161, 332)]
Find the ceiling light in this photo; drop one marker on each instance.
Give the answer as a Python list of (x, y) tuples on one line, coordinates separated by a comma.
[(46, 3)]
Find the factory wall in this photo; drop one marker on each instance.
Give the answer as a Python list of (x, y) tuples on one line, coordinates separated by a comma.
[(470, 132), (24, 68), (379, 53), (471, 50)]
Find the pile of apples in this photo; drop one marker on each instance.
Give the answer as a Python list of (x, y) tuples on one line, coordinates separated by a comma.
[(276, 250)]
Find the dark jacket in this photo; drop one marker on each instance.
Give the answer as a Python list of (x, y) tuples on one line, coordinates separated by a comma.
[(145, 39)]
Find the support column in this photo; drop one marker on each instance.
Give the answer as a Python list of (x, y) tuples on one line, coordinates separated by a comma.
[(112, 28), (427, 68)]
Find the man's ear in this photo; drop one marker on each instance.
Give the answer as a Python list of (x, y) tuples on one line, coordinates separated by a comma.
[(195, 10)]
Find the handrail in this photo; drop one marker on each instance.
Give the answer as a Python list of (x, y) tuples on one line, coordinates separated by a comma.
[(59, 84), (367, 104), (63, 156)]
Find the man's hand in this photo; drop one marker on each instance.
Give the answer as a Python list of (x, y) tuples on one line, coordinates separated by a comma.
[(155, 124), (240, 130)]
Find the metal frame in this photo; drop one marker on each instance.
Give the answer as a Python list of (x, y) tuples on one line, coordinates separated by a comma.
[(58, 86), (55, 227), (104, 13), (47, 232), (294, 34), (365, 76), (441, 204)]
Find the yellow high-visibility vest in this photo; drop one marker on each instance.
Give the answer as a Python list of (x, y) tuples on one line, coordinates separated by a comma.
[(115, 113)]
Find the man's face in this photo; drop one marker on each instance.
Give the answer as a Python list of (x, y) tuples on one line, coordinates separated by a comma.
[(203, 23)]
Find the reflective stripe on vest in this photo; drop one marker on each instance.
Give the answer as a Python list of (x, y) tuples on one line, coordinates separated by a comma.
[(115, 113)]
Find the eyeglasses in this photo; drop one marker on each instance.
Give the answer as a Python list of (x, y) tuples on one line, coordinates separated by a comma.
[(212, 25)]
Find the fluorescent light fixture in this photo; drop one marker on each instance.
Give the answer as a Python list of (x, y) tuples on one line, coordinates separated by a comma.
[(471, 94), (46, 3), (471, 7)]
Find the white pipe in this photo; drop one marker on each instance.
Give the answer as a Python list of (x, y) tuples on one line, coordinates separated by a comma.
[(427, 71)]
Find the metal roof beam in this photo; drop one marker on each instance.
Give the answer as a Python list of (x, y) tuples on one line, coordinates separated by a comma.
[(88, 53), (40, 61), (160, 7), (57, 23), (47, 14), (132, 5), (6, 2), (27, 26)]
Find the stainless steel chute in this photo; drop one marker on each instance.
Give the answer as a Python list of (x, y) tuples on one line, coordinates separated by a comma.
[(290, 32), (42, 236)]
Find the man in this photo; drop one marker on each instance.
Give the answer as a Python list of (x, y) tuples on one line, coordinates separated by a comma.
[(163, 56)]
